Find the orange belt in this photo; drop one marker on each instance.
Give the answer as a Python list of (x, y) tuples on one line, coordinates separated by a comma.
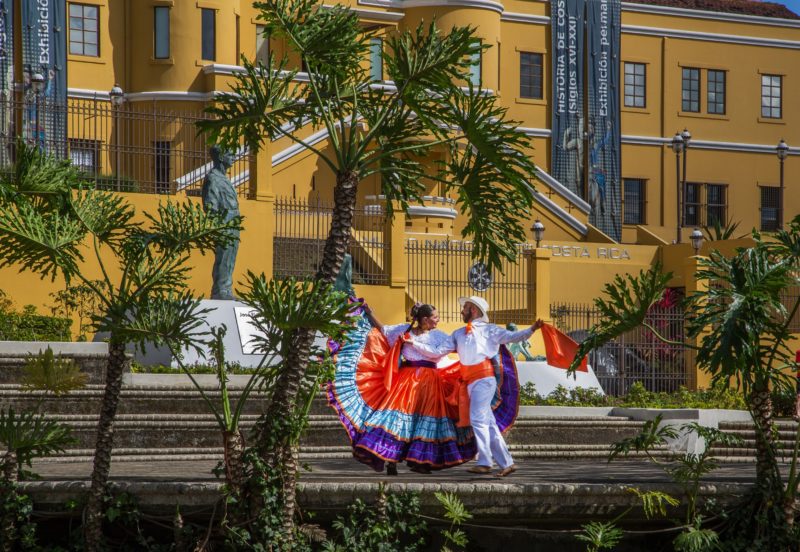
[(460, 397)]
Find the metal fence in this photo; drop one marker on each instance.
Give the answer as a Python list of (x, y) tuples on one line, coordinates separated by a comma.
[(637, 355), (301, 228), (136, 147), (789, 297), (441, 271)]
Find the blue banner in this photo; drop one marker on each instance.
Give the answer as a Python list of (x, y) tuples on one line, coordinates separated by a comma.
[(44, 52), (567, 21), (603, 129), (6, 75)]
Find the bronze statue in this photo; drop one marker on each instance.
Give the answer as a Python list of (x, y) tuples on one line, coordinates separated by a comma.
[(520, 348), (219, 196)]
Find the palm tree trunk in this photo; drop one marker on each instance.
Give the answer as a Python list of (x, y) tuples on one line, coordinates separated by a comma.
[(277, 440), (8, 524), (93, 530), (233, 446), (760, 404)]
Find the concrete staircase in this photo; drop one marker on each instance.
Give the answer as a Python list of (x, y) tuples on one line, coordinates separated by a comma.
[(746, 452), (173, 422)]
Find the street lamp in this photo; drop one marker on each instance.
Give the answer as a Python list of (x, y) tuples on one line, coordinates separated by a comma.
[(697, 240), (117, 98), (538, 232), (687, 136), (678, 147), (37, 84), (783, 152)]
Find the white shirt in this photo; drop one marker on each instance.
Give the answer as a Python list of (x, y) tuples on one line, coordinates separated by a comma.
[(433, 339), (473, 348)]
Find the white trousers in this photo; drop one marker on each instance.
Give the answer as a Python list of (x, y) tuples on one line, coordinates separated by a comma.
[(487, 435)]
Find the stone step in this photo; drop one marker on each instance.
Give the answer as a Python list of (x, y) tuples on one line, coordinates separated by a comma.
[(743, 451), (311, 452), (750, 434), (184, 430), (781, 423)]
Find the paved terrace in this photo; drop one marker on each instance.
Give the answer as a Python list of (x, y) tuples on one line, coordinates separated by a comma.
[(548, 491)]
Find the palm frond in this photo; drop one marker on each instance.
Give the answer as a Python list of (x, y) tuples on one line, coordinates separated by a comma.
[(162, 319), (652, 435), (282, 306), (51, 374), (742, 304), (42, 241), (262, 100), (31, 435), (623, 306), (179, 227), (104, 214), (426, 60)]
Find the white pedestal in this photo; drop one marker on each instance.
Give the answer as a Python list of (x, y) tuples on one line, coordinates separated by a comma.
[(546, 378)]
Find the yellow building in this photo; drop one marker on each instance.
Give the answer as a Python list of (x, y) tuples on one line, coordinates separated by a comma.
[(139, 73)]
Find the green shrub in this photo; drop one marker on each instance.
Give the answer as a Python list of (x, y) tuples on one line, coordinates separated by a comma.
[(639, 397), (29, 326)]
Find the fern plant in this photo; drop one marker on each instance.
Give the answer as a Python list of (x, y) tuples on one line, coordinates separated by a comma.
[(456, 512), (52, 375)]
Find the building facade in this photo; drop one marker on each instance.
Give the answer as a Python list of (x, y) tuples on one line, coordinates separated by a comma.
[(139, 73)]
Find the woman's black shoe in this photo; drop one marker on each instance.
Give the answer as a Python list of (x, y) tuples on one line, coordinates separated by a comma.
[(421, 468), (391, 468)]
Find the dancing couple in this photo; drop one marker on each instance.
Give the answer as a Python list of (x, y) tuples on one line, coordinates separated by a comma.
[(401, 398)]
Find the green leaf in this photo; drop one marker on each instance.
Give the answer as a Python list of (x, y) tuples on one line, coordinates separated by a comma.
[(623, 307)]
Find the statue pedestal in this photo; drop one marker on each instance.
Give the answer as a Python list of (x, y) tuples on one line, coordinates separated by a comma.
[(238, 339)]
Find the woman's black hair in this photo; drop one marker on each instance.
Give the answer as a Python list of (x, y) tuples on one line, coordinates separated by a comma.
[(420, 311)]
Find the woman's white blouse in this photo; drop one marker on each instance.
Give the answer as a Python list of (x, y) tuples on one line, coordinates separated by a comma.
[(434, 339)]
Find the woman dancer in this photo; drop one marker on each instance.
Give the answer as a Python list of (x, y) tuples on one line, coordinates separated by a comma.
[(392, 398)]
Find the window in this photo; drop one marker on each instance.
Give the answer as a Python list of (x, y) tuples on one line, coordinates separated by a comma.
[(716, 92), (700, 211), (635, 79), (771, 96), (161, 166), (530, 75), (690, 90), (716, 204), (209, 34), (770, 204), (83, 154), (633, 203), (691, 204), (262, 44), (161, 32), (475, 65), (83, 30), (376, 59)]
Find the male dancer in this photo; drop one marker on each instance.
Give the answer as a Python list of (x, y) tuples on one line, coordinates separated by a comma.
[(477, 344)]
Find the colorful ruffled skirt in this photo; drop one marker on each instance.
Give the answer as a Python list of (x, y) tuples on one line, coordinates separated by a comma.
[(413, 419)]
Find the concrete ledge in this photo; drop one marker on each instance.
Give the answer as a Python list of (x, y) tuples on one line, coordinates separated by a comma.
[(24, 348), (91, 358), (487, 501), (566, 411)]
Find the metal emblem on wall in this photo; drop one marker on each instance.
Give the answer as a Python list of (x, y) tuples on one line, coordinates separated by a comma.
[(603, 130), (567, 23), (479, 277)]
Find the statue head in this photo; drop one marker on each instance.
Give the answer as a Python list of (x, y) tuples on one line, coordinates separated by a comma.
[(221, 157)]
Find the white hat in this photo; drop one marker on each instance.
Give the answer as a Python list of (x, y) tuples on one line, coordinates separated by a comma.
[(479, 302)]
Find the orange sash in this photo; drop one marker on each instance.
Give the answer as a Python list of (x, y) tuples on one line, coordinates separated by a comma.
[(460, 395)]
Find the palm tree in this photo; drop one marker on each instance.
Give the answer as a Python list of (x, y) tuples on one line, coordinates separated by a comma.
[(50, 218), (742, 325), (384, 129)]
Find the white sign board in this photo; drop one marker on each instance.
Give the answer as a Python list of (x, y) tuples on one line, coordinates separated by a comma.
[(247, 330)]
